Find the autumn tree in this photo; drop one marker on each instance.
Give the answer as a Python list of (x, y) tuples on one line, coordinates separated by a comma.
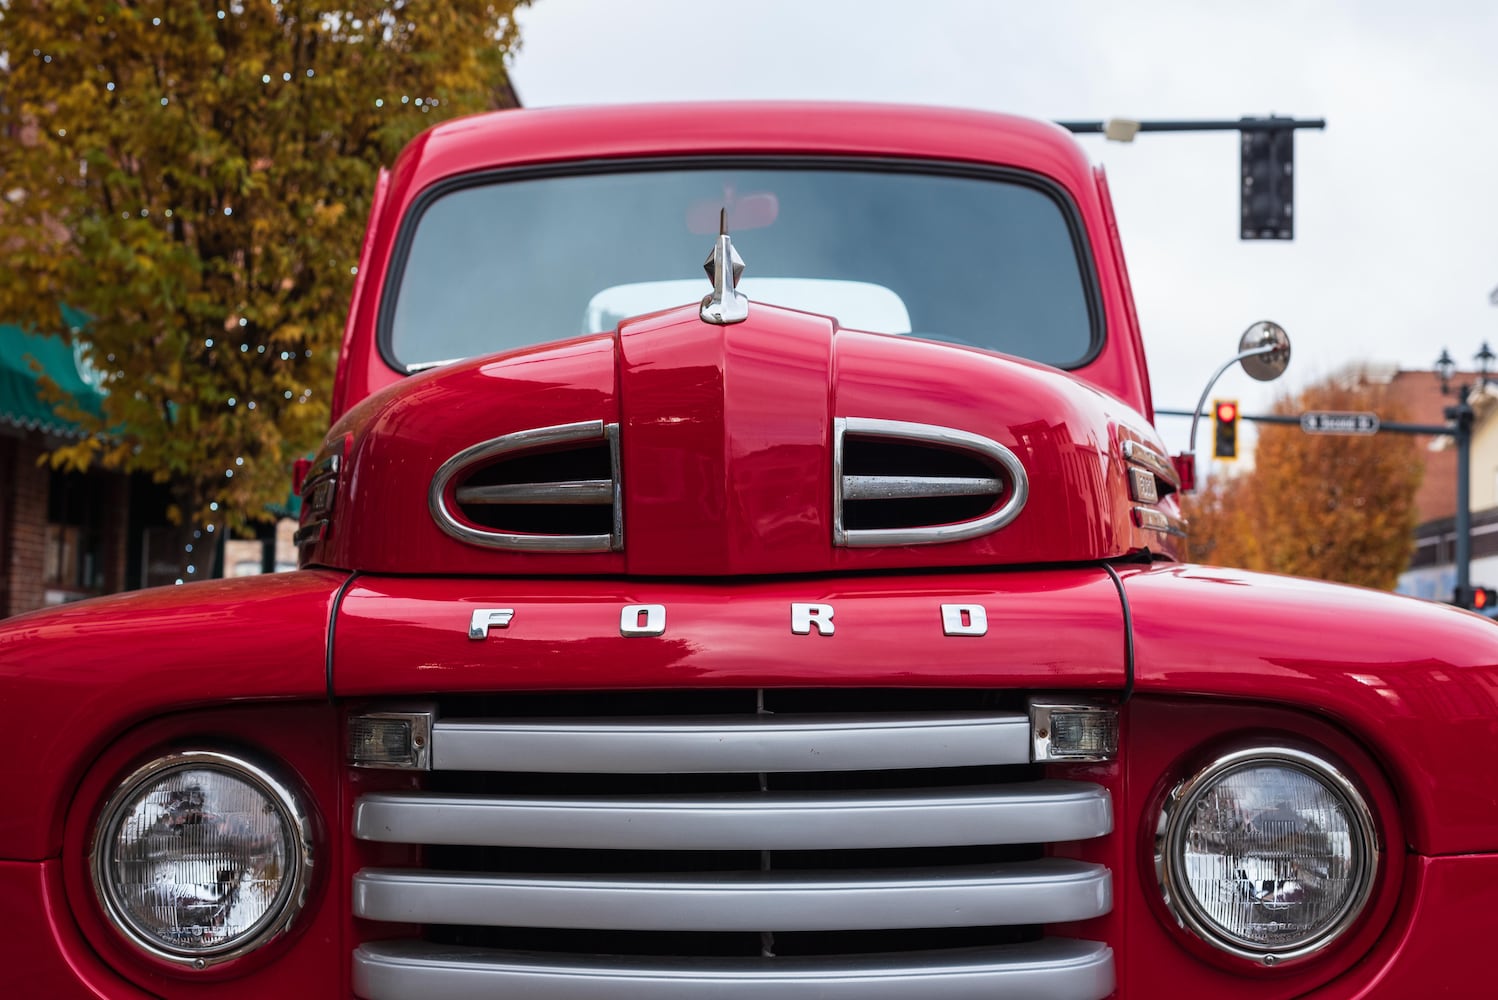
[(1220, 516), (188, 182), (1335, 507)]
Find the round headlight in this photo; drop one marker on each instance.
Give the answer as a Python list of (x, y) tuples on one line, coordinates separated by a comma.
[(200, 857), (1268, 854)]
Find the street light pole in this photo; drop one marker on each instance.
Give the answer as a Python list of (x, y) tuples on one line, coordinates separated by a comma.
[(1461, 416)]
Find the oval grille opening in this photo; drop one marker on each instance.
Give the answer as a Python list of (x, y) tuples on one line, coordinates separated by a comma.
[(551, 489), (561, 493), (909, 484), (898, 484)]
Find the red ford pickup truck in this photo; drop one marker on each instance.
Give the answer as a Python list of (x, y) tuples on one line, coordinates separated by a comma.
[(819, 629)]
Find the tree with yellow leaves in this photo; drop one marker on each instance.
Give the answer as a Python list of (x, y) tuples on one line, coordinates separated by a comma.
[(188, 183), (1334, 507)]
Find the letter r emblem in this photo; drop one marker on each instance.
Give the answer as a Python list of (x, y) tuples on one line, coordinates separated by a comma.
[(806, 616)]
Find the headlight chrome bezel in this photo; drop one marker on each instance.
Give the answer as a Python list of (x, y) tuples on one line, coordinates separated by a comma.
[(1174, 820), (290, 808)]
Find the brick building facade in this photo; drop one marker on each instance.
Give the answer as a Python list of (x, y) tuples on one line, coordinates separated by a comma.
[(64, 536)]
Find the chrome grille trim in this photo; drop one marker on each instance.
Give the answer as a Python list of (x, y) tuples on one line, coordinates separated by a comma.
[(863, 844), (1031, 892), (848, 488), (580, 492), (715, 744), (1054, 969), (1023, 813), (584, 491), (916, 487)]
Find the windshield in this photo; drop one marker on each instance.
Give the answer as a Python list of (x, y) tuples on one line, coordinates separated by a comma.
[(985, 261)]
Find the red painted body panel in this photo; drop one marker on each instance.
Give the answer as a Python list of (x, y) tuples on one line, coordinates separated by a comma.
[(399, 636), (40, 948), (569, 135), (86, 672), (726, 436), (729, 427), (351, 329), (1442, 942), (1418, 682)]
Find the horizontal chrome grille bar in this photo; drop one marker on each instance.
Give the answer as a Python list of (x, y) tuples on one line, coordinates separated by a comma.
[(1053, 969), (722, 745), (1024, 813), (582, 491), (917, 487), (1029, 892)]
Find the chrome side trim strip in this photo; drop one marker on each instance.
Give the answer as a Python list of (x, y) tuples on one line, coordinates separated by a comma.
[(582, 491), (716, 745), (1032, 892), (1057, 969), (1024, 813), (1148, 458), (319, 493), (943, 437), (325, 471), (578, 433), (312, 531), (916, 487), (1151, 519)]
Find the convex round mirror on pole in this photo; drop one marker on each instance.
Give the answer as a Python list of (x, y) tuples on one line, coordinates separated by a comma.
[(1262, 365), (1264, 350)]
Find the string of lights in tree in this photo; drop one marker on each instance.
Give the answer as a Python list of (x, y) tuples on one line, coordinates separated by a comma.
[(241, 338)]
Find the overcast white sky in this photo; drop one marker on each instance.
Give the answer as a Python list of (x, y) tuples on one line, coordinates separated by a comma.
[(1396, 233)]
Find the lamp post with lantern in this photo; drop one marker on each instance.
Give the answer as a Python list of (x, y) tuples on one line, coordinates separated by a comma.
[(1460, 417)]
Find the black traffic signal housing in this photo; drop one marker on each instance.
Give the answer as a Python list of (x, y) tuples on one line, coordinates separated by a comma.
[(1481, 599), (1267, 169), (1225, 429)]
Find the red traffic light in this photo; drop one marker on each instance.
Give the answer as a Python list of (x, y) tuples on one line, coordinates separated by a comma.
[(1483, 599), (1225, 429)]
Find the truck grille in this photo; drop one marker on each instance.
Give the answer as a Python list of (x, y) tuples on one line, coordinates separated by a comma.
[(552, 489), (897, 483), (628, 849)]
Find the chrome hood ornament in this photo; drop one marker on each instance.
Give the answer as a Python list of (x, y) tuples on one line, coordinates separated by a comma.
[(724, 266)]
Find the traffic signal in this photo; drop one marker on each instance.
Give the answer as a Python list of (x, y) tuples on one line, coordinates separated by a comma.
[(1483, 599), (1267, 168), (1225, 429)]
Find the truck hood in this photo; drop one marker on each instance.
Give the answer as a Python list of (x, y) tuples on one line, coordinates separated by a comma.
[(782, 444)]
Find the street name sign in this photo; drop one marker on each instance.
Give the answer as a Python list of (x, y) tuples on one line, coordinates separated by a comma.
[(1338, 422)]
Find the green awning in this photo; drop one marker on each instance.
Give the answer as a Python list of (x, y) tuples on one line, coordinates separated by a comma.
[(21, 403)]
